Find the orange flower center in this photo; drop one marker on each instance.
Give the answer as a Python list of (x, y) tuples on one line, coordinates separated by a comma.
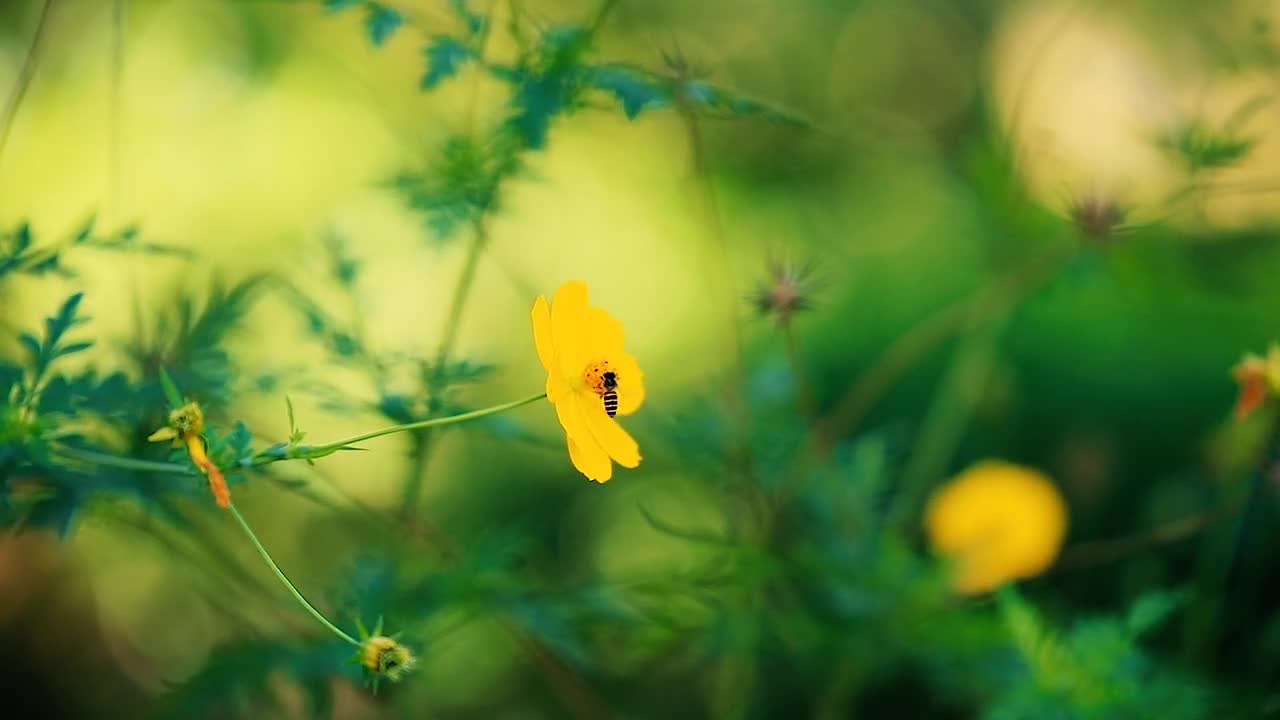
[(594, 375)]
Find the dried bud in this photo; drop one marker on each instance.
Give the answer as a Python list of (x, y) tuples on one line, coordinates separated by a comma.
[(785, 293), (1259, 378), (1097, 217)]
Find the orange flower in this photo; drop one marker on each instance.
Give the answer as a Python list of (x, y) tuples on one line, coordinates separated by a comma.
[(184, 428), (581, 348), (1258, 378)]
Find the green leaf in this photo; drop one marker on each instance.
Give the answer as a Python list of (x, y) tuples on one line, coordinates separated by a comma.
[(22, 237), (475, 23), (1151, 609), (170, 390), (445, 57), (1201, 148), (636, 91), (381, 22)]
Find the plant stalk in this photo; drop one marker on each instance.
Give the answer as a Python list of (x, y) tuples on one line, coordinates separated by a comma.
[(284, 579)]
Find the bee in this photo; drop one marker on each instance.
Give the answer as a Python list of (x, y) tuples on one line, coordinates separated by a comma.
[(610, 394)]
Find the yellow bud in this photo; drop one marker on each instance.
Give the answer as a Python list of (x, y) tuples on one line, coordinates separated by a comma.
[(385, 657)]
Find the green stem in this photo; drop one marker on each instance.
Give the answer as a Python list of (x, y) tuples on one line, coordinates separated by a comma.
[(302, 452), (25, 73), (253, 538), (329, 448), (124, 463), (804, 391), (462, 291)]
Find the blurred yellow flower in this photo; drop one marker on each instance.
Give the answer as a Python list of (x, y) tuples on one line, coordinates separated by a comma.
[(996, 522), (184, 428), (1258, 377), (580, 347)]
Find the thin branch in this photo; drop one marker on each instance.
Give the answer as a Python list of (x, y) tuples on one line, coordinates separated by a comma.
[(25, 73)]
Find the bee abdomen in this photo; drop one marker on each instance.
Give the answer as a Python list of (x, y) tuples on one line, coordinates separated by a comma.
[(611, 402)]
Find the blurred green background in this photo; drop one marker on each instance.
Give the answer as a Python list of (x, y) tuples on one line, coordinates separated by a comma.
[(951, 156)]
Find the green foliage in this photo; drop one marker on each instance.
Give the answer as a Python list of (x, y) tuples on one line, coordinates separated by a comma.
[(381, 20), (789, 586), (241, 679), (20, 254), (463, 184), (1094, 670), (188, 338), (445, 57), (1200, 148)]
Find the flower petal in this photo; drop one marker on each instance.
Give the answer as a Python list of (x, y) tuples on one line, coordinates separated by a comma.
[(542, 337), (630, 383), (612, 438), (589, 465), (585, 452), (604, 333), (569, 326), (558, 384)]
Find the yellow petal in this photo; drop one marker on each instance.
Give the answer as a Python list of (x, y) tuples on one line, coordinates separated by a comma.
[(615, 441), (604, 334), (542, 338), (569, 326), (590, 465), (630, 383), (164, 433), (558, 385), (586, 454)]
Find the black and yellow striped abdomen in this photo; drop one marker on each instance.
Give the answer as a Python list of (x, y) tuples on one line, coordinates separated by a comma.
[(610, 402)]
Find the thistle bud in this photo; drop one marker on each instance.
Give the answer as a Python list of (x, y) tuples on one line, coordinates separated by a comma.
[(784, 293), (1097, 217)]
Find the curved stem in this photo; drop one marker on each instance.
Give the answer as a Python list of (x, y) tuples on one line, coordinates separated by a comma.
[(285, 579), (123, 463), (25, 74), (299, 453), (320, 450)]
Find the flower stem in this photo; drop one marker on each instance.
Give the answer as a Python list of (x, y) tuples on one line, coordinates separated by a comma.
[(803, 390), (23, 80), (253, 538), (302, 452), (423, 441), (328, 448)]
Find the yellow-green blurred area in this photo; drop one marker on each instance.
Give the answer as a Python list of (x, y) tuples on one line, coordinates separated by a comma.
[(1042, 232)]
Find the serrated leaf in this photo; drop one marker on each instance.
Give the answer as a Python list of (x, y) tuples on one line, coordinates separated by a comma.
[(475, 23), (171, 393), (381, 22), (85, 232), (635, 91), (445, 57), (22, 238), (1151, 609), (75, 347), (31, 344)]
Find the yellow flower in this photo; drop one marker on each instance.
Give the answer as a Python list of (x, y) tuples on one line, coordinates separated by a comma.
[(384, 657), (579, 345), (996, 522), (184, 428), (1258, 377)]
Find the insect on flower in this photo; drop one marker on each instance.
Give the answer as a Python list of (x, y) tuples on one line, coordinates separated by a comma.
[(591, 379)]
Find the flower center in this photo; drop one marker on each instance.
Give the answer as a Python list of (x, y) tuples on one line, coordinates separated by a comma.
[(599, 376)]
